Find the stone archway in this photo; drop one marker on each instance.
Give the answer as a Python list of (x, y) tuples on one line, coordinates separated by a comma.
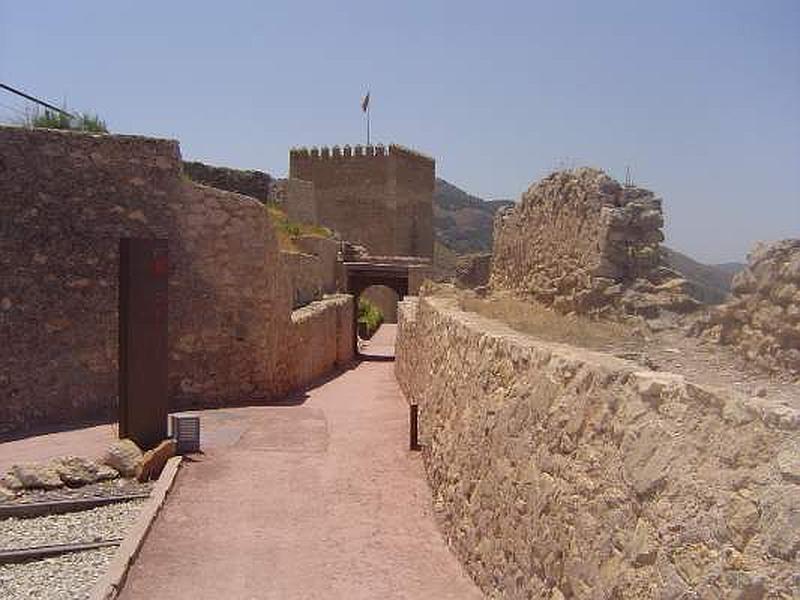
[(363, 275), (385, 299)]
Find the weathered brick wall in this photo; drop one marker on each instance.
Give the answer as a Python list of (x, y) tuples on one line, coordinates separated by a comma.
[(763, 316), (65, 201), (581, 242), (375, 196), (255, 184), (563, 473)]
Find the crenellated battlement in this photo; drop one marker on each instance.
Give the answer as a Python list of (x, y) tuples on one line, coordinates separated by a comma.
[(357, 151), (378, 196)]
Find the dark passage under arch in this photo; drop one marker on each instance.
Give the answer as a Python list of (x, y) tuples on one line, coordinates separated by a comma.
[(362, 275)]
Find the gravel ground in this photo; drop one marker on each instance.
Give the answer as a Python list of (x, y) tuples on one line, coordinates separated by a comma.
[(69, 576), (101, 523), (104, 489)]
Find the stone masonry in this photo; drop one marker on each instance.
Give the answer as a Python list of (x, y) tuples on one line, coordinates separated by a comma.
[(379, 197), (255, 184), (297, 199), (563, 473), (763, 317), (67, 199), (580, 242)]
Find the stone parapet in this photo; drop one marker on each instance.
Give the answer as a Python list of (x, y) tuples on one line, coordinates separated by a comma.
[(320, 338), (255, 184), (561, 472)]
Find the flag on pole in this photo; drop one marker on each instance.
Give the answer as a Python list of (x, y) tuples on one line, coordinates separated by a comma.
[(365, 103)]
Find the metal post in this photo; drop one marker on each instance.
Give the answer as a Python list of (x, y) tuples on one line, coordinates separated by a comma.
[(413, 432)]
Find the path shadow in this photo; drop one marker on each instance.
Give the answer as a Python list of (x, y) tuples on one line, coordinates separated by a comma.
[(363, 357), (48, 428)]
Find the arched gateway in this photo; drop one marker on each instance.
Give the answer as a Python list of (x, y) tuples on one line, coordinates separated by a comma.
[(403, 274)]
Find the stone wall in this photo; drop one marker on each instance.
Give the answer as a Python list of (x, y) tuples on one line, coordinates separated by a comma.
[(375, 196), (763, 317), (297, 199), (67, 199), (312, 272), (581, 242), (320, 339), (473, 270), (255, 184), (563, 473)]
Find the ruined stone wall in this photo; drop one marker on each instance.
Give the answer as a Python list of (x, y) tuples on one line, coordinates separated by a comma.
[(473, 270), (763, 317), (67, 199), (379, 197), (255, 184), (581, 242), (564, 473)]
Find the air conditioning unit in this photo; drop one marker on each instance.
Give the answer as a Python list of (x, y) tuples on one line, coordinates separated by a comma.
[(185, 430)]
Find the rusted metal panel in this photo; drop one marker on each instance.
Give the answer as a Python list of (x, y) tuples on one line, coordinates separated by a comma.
[(143, 351)]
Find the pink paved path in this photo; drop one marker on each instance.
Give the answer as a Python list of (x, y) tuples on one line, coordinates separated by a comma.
[(90, 442), (315, 500)]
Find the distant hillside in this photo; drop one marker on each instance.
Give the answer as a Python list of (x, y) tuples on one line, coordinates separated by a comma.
[(711, 283), (463, 222)]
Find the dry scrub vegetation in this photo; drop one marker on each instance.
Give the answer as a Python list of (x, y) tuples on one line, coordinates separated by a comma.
[(287, 230), (537, 320), (657, 347)]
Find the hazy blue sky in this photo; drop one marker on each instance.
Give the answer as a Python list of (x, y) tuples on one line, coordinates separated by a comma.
[(701, 98)]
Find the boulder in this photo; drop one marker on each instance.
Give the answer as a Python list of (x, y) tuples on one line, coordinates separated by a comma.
[(34, 476), (10, 482), (124, 456), (76, 471), (154, 460), (6, 494)]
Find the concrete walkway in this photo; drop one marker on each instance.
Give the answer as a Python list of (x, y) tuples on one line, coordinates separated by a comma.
[(316, 498)]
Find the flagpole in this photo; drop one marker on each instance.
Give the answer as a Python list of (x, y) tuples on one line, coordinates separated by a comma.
[(368, 124)]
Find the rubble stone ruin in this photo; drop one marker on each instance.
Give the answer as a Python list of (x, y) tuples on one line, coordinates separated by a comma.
[(581, 242), (763, 317)]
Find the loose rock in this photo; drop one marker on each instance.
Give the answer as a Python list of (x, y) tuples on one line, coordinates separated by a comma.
[(33, 476), (76, 471), (124, 456)]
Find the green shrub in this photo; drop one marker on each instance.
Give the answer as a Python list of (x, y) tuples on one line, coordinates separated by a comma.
[(369, 317)]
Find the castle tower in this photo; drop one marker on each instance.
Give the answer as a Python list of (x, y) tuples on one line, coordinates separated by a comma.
[(372, 195)]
